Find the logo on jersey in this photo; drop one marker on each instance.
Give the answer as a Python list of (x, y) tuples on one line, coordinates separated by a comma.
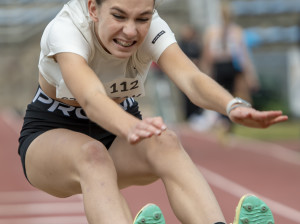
[(158, 36)]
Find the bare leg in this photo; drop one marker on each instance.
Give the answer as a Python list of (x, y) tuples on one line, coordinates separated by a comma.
[(64, 163), (190, 196)]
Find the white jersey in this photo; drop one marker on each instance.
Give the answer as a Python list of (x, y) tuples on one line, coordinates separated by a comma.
[(72, 31)]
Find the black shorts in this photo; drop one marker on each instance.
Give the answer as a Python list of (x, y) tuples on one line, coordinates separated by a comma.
[(225, 74), (44, 114)]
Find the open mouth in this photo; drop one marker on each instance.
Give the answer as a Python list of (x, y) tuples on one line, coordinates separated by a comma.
[(124, 43)]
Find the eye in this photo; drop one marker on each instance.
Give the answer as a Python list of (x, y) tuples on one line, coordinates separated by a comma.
[(143, 20), (117, 16)]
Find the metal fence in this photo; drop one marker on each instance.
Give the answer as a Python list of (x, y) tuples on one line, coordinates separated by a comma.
[(22, 19)]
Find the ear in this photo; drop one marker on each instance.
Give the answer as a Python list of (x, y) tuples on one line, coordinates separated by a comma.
[(92, 6)]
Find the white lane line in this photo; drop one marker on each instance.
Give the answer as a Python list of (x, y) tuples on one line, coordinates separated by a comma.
[(19, 203), (41, 209), (15, 197), (268, 149), (238, 190), (252, 145), (47, 220)]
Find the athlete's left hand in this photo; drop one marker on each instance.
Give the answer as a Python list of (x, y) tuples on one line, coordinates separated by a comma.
[(146, 128), (256, 119)]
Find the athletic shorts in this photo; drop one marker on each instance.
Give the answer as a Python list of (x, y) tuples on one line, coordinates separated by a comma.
[(225, 74), (44, 114)]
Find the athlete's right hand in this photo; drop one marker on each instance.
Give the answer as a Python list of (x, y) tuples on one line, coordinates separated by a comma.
[(145, 129)]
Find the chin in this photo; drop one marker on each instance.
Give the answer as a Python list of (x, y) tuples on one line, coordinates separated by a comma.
[(122, 54)]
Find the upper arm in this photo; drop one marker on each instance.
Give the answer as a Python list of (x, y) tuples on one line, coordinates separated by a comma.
[(80, 79), (179, 68)]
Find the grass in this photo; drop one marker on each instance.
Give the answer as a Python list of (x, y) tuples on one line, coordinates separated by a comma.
[(289, 130)]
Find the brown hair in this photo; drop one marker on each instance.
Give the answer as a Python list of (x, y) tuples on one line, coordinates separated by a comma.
[(99, 2)]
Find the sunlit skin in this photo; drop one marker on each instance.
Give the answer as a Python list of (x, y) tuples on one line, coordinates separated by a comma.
[(256, 119), (121, 26)]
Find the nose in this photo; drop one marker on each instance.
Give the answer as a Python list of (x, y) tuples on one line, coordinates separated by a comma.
[(130, 29)]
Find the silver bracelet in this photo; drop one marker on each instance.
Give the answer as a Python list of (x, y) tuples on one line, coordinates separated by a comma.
[(236, 102)]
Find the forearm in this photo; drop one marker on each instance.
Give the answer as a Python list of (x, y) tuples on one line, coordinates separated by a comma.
[(207, 93), (90, 94), (108, 114), (116, 120), (202, 90)]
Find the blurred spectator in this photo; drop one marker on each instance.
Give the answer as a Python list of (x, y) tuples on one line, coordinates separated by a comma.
[(190, 45), (299, 32), (226, 58), (162, 95)]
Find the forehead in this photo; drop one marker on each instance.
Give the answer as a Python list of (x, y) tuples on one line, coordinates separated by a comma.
[(130, 6)]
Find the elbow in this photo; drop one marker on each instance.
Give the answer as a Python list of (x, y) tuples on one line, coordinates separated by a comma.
[(87, 106), (89, 103)]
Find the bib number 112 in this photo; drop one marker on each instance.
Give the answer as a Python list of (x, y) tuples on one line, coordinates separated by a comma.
[(124, 86)]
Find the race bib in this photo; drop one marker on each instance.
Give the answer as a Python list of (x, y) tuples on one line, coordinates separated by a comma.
[(125, 87)]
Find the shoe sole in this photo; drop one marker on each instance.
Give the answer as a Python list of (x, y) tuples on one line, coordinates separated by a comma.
[(155, 216), (252, 210)]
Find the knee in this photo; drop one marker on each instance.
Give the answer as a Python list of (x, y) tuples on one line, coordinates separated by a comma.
[(168, 140), (164, 145), (93, 154)]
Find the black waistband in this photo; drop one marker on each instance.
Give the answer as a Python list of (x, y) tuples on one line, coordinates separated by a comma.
[(44, 102)]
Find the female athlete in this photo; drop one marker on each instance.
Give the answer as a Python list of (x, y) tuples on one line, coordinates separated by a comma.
[(83, 132)]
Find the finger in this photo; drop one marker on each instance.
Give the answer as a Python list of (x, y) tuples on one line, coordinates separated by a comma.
[(148, 127), (262, 121), (271, 117), (157, 122), (279, 119), (138, 135), (263, 118), (143, 133), (268, 114), (274, 120), (155, 126), (133, 138)]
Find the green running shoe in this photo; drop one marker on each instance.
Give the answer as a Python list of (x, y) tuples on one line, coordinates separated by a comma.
[(252, 210), (149, 214)]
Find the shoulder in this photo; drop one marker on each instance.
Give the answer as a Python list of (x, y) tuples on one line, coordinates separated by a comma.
[(62, 30), (158, 25), (159, 37), (73, 17), (64, 34)]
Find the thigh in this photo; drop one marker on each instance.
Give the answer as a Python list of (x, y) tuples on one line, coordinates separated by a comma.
[(52, 161), (137, 164), (130, 163)]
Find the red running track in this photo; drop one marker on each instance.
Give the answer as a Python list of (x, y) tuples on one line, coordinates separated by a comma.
[(240, 166)]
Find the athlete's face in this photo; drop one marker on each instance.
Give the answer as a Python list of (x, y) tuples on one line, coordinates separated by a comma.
[(121, 25)]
